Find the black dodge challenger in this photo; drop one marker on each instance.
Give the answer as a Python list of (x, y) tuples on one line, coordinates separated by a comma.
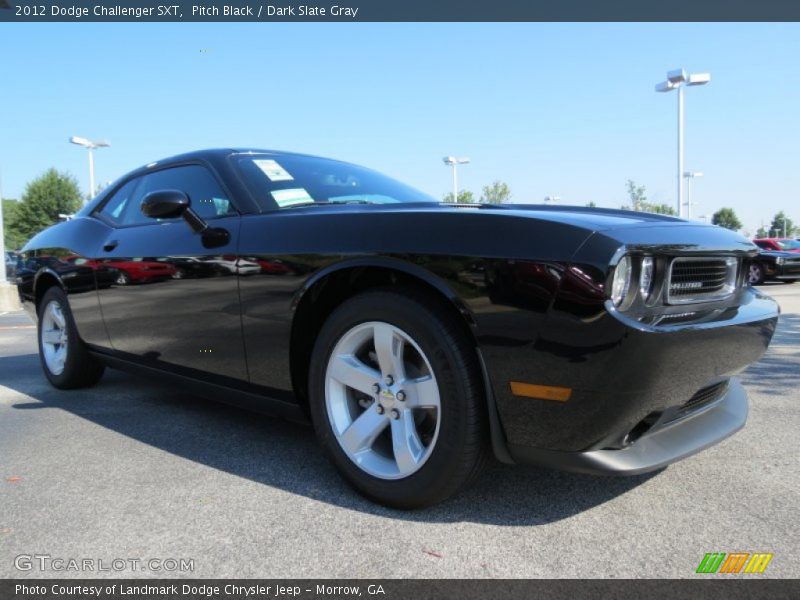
[(419, 338)]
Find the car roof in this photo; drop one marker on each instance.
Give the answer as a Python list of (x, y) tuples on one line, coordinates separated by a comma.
[(221, 153)]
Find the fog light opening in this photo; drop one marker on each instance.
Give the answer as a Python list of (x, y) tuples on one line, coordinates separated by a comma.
[(640, 429)]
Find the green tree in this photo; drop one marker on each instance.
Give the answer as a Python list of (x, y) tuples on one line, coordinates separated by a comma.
[(637, 195), (661, 209), (762, 233), (46, 197), (726, 217), (591, 204), (780, 224), (497, 193), (464, 197), (638, 201), (13, 238)]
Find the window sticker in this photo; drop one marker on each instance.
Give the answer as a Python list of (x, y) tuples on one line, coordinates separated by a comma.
[(291, 197), (273, 170)]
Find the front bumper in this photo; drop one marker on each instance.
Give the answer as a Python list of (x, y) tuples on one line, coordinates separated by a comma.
[(656, 448)]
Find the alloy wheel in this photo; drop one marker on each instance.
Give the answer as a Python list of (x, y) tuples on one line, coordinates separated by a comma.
[(382, 400), (754, 274), (54, 337)]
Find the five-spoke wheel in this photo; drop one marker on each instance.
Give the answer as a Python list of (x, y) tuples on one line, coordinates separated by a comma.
[(66, 361), (54, 338), (382, 400), (396, 397)]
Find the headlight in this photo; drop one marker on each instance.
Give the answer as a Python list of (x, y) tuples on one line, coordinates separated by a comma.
[(780, 260), (646, 277), (622, 281)]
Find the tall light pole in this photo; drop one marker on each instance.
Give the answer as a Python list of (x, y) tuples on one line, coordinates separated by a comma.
[(689, 176), (452, 161), (678, 80), (90, 146)]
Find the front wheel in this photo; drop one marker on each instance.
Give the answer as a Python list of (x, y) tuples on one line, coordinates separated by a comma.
[(66, 362), (397, 399), (755, 274)]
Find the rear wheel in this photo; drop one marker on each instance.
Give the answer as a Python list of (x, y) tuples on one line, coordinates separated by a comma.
[(397, 399), (755, 274), (66, 362)]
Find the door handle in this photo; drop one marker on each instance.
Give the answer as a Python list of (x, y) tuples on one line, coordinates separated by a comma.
[(109, 246)]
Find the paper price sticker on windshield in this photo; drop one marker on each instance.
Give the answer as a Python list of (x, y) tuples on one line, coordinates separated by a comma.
[(291, 197), (273, 170)]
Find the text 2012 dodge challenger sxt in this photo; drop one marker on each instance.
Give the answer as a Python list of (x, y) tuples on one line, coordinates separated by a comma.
[(418, 337)]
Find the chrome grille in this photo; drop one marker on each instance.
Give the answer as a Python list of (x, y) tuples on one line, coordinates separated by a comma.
[(701, 279)]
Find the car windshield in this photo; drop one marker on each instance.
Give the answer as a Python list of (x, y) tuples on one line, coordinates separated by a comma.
[(283, 181), (788, 244)]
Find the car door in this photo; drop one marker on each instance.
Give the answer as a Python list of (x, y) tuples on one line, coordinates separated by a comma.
[(157, 311)]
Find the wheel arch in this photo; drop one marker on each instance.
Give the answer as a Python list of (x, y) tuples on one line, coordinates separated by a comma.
[(43, 281), (331, 286)]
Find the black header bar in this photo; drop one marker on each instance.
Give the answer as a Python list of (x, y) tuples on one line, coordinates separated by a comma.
[(401, 10)]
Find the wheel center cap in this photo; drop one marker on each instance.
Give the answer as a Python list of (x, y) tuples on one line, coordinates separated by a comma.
[(386, 398)]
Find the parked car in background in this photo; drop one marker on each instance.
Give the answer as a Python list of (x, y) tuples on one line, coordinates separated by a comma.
[(778, 244), (11, 265), (771, 265), (418, 337), (141, 270), (191, 266)]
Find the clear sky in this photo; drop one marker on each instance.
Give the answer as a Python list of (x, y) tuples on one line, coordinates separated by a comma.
[(552, 109)]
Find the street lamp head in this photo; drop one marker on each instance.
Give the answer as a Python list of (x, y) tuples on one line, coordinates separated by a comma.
[(88, 143), (80, 141), (452, 160), (462, 160), (676, 76), (699, 79), (666, 86), (449, 160)]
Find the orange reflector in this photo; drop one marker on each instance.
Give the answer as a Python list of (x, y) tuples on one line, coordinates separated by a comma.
[(543, 392)]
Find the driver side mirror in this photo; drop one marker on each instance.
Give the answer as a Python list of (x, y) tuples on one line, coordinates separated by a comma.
[(168, 204), (165, 204)]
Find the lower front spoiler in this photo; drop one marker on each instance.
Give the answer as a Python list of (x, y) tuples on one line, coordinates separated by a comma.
[(654, 450)]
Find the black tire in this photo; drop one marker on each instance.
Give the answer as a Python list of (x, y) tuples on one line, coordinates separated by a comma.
[(81, 369), (755, 274), (461, 449)]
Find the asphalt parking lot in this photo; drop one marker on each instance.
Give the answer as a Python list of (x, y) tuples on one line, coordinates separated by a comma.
[(133, 469)]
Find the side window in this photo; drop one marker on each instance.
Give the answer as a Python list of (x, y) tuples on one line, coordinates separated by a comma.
[(120, 202), (207, 198)]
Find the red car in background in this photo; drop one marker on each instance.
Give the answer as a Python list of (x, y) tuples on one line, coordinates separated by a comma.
[(132, 271), (778, 244), (141, 271)]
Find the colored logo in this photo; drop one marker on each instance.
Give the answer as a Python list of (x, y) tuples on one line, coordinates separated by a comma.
[(734, 562)]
